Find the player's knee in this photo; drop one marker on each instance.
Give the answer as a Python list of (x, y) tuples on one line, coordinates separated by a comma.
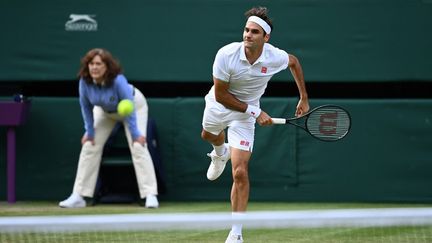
[(240, 174), (207, 136), (204, 135)]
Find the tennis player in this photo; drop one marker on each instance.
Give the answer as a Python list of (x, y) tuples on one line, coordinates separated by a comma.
[(241, 71)]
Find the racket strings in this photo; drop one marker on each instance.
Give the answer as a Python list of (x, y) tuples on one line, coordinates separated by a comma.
[(329, 123)]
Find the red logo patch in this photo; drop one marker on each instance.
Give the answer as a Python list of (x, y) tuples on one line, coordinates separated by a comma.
[(263, 70), (244, 143)]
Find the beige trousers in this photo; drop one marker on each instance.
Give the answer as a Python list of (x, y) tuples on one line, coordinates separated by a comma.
[(90, 156)]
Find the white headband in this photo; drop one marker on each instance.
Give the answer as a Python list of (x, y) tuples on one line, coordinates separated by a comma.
[(261, 23)]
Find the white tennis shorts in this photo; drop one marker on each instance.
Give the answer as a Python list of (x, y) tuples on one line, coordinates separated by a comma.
[(241, 126)]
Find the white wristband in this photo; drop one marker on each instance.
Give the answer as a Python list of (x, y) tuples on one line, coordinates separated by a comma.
[(253, 111)]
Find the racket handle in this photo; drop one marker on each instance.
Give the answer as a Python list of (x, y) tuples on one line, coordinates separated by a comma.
[(279, 120)]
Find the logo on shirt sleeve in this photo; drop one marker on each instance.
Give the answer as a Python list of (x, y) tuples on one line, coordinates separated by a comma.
[(263, 69)]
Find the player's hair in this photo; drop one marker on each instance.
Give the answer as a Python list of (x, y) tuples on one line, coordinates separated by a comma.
[(260, 12), (113, 66)]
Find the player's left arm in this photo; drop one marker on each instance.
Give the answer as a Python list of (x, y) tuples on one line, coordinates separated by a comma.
[(297, 72)]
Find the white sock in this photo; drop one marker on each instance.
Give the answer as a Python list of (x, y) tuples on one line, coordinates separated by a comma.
[(220, 150), (236, 229), (237, 217)]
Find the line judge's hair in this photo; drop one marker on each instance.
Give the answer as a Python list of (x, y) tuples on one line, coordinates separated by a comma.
[(260, 12), (112, 65)]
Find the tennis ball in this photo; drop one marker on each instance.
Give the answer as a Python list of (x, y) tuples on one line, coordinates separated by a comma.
[(125, 107)]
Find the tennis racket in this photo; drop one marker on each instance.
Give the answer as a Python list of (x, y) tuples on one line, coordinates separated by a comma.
[(326, 122)]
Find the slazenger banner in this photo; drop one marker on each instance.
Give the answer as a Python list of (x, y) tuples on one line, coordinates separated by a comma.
[(171, 40), (81, 22)]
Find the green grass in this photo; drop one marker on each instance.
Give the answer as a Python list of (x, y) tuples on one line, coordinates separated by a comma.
[(418, 234)]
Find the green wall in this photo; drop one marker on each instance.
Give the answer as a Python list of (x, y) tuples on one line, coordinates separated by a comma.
[(172, 40), (386, 157)]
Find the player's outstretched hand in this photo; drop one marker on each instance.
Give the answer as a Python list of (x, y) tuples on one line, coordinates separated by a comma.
[(302, 107)]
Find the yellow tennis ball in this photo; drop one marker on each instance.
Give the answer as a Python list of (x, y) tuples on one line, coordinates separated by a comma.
[(125, 107)]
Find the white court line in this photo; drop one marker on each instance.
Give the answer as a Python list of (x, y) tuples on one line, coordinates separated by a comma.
[(253, 219)]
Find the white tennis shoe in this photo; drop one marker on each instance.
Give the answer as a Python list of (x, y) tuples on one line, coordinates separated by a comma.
[(73, 201), (151, 201), (234, 238), (218, 163)]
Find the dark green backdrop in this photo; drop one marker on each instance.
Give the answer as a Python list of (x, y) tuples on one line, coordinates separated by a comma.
[(173, 40), (386, 157)]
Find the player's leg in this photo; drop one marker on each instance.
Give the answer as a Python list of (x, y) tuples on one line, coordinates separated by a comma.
[(89, 161), (213, 125), (143, 163), (214, 139), (217, 141), (241, 139), (240, 173), (213, 132), (219, 155), (239, 192)]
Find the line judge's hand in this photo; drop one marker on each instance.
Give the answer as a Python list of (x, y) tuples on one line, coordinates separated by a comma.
[(141, 140), (264, 119), (85, 138)]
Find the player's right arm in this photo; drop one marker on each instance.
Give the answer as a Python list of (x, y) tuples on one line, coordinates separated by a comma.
[(224, 97)]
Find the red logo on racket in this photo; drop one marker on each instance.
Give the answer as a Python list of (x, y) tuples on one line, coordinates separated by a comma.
[(263, 70), (328, 123)]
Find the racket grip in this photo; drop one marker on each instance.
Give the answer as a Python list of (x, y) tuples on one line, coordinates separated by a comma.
[(279, 120)]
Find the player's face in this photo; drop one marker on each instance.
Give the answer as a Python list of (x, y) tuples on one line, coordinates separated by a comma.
[(97, 68), (253, 36)]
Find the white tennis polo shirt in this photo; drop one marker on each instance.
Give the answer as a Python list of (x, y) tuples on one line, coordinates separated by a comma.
[(247, 81)]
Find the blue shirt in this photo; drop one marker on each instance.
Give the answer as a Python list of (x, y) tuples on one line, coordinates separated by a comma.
[(91, 95)]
